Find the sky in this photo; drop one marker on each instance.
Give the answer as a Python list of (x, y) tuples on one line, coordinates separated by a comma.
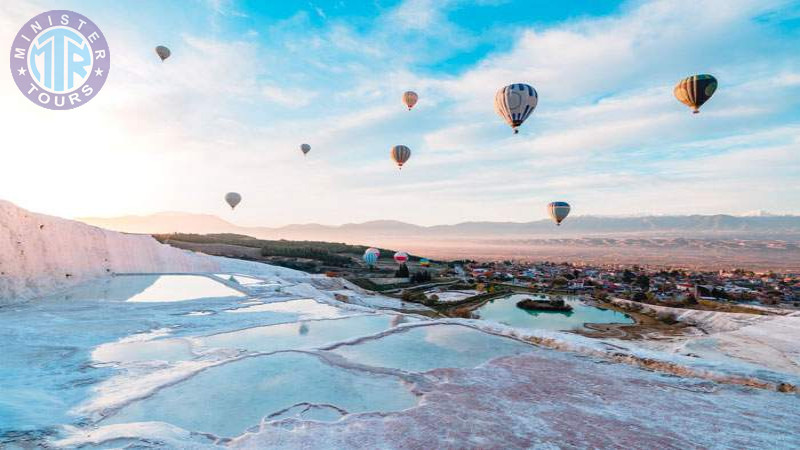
[(249, 81)]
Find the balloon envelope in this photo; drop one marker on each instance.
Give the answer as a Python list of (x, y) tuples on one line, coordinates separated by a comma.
[(163, 52), (558, 211), (371, 256), (233, 199), (400, 154), (401, 257), (424, 262), (305, 148), (695, 90), (515, 102), (410, 99)]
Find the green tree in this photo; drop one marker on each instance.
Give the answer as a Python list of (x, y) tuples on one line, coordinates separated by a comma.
[(643, 281), (402, 272)]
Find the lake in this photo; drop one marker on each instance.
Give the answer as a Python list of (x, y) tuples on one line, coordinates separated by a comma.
[(504, 310)]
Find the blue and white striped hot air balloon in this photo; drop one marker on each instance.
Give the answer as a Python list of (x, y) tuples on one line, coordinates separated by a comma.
[(558, 211), (515, 102), (371, 256)]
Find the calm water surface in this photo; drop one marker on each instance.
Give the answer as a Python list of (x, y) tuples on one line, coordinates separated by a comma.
[(504, 310)]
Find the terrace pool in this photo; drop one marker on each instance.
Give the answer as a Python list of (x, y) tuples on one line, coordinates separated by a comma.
[(424, 348), (229, 399)]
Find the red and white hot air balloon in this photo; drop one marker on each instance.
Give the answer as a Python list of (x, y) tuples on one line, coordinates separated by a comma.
[(401, 257)]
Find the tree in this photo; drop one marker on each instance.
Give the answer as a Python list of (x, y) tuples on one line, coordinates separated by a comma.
[(402, 272), (628, 276), (421, 277), (643, 281), (600, 295)]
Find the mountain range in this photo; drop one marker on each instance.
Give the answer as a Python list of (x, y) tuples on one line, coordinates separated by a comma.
[(693, 226), (700, 241)]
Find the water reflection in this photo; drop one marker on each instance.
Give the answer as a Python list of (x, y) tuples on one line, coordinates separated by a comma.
[(504, 310)]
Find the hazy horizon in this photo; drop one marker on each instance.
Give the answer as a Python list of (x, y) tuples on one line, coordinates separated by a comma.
[(389, 219), (248, 83)]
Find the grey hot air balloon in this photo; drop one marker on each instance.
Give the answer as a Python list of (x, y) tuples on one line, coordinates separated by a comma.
[(515, 102), (410, 99), (163, 52), (305, 148), (400, 154), (558, 211), (233, 199)]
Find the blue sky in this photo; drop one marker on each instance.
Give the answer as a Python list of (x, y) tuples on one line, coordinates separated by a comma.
[(250, 81)]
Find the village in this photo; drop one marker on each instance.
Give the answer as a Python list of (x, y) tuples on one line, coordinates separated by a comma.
[(669, 286)]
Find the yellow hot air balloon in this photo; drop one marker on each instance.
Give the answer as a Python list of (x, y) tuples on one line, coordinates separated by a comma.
[(400, 154), (410, 99), (695, 90)]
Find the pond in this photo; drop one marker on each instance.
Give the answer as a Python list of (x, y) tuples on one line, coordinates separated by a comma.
[(504, 310)]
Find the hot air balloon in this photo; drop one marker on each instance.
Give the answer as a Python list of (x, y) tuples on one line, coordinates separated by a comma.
[(515, 102), (401, 257), (410, 99), (558, 211), (233, 199), (425, 262), (163, 52), (400, 154), (371, 256), (695, 90), (305, 148)]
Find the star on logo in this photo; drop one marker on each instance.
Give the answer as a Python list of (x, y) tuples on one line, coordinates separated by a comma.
[(99, 72), (21, 71)]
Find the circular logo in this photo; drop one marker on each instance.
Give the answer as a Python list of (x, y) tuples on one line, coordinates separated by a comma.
[(60, 59)]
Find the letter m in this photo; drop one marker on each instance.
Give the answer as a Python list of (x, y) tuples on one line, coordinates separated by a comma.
[(19, 53)]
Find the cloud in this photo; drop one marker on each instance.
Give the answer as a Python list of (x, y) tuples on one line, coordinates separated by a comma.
[(228, 112)]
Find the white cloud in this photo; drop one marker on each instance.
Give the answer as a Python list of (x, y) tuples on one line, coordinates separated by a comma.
[(607, 136)]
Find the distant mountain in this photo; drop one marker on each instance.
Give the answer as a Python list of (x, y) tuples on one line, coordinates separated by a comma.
[(714, 241), (694, 226)]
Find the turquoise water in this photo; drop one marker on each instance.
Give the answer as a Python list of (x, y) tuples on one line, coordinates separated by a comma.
[(430, 347), (229, 399), (504, 310), (299, 335)]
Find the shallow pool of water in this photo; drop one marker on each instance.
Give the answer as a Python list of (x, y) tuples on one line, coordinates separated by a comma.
[(229, 399), (430, 347), (179, 288), (305, 308), (504, 310), (301, 335), (243, 280)]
